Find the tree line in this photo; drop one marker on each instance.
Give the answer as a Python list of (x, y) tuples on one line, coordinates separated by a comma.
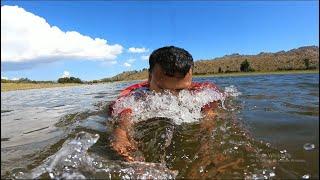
[(60, 80)]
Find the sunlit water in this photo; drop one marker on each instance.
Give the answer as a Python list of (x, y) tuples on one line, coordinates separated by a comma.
[(267, 127)]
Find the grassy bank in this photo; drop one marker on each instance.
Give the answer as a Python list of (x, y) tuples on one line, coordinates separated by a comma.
[(24, 86), (258, 73)]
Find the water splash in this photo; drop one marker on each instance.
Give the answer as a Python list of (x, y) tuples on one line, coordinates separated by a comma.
[(184, 107), (232, 91), (73, 161), (261, 174), (72, 155)]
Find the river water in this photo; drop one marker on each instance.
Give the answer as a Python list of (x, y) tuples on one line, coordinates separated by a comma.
[(267, 128)]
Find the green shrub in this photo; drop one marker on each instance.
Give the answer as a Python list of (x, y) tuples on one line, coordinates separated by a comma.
[(245, 66), (69, 80)]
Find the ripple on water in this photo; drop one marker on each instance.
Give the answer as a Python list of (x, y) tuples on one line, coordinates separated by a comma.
[(5, 111), (5, 139)]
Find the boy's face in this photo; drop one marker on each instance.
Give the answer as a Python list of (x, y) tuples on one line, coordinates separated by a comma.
[(159, 81)]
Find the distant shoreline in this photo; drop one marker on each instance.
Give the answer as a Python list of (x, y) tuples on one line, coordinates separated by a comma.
[(5, 87)]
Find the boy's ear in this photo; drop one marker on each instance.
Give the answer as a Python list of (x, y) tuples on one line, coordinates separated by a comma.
[(149, 77)]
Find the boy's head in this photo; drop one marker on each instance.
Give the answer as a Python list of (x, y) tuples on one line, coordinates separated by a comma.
[(170, 68)]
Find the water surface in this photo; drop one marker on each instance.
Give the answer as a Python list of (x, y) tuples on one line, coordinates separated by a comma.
[(263, 132)]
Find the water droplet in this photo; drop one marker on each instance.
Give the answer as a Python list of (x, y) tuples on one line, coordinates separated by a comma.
[(306, 176), (308, 146), (51, 175), (272, 174), (283, 151), (201, 169)]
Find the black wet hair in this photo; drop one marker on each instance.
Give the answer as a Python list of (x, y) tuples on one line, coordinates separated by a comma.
[(172, 60)]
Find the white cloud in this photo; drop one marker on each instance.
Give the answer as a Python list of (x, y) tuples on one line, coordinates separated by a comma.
[(108, 63), (15, 79), (26, 37), (65, 74), (3, 77), (138, 50), (127, 64), (113, 62), (145, 57), (131, 60)]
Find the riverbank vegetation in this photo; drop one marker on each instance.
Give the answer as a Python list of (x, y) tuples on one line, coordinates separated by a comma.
[(23, 86), (25, 83), (70, 80)]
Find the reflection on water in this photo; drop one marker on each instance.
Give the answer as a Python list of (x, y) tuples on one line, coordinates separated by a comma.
[(270, 130)]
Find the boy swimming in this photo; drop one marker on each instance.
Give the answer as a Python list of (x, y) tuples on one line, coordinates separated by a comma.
[(170, 71)]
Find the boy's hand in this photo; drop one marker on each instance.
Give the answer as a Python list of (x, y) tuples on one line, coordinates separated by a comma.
[(210, 110), (122, 145), (126, 150)]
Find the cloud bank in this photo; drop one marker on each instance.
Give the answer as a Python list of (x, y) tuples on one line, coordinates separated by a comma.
[(28, 38)]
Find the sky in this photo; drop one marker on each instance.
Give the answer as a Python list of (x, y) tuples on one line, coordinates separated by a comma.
[(46, 40)]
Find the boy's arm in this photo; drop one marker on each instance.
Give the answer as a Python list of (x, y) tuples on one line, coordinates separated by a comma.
[(209, 110), (208, 123), (122, 142)]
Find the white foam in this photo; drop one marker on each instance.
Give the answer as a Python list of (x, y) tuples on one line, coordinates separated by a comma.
[(232, 91), (182, 108)]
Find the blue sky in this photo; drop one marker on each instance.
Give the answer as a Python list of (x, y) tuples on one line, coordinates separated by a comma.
[(207, 29)]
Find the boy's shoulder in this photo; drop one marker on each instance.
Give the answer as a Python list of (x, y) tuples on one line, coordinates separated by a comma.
[(133, 87), (201, 85)]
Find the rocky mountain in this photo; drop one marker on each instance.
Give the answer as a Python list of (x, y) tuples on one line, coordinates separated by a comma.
[(301, 58)]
